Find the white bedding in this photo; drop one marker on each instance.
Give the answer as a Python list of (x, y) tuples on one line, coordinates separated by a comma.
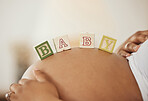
[(138, 62)]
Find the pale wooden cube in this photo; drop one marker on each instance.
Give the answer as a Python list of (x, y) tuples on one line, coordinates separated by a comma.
[(44, 50), (107, 44), (61, 43), (87, 41)]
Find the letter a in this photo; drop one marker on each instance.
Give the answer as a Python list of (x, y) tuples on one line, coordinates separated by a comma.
[(62, 43)]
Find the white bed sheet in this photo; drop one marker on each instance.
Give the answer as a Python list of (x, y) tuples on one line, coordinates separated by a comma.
[(138, 62)]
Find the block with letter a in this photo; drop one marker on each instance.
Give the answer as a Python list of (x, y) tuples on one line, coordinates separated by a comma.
[(87, 40), (44, 50), (61, 43), (107, 44)]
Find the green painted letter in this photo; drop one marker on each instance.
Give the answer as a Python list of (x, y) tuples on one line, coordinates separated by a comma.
[(44, 50)]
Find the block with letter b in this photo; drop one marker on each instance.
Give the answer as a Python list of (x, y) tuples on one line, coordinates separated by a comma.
[(107, 44), (87, 40), (44, 50), (61, 43)]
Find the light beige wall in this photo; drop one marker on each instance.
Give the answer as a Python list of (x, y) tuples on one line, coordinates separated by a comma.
[(38, 20)]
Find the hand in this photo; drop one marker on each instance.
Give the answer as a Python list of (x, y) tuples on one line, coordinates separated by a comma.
[(132, 44), (34, 90)]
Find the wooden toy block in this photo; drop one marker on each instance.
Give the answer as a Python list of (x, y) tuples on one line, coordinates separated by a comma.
[(61, 43), (44, 50), (107, 44), (87, 40)]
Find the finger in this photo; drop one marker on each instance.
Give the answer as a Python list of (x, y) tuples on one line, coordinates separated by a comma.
[(9, 95), (14, 87), (40, 76), (131, 47), (23, 81), (142, 38), (139, 37), (144, 32), (124, 53), (13, 97)]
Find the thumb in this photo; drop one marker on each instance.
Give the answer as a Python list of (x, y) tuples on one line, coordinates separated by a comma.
[(41, 76)]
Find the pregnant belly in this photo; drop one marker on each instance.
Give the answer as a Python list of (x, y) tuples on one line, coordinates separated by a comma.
[(91, 75)]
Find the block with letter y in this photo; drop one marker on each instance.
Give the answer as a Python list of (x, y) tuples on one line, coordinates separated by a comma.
[(107, 44), (44, 50)]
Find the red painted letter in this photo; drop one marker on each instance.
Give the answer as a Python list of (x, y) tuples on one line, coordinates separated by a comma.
[(86, 41), (62, 43)]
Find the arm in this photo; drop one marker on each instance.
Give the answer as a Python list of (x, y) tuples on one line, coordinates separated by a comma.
[(40, 89), (132, 44)]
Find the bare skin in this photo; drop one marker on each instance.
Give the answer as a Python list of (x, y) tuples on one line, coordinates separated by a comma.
[(132, 44), (89, 75), (110, 79), (41, 89)]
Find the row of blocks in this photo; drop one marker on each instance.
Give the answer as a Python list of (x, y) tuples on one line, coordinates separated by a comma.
[(86, 41)]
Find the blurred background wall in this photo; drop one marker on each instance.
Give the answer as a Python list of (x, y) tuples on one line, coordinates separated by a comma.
[(26, 23)]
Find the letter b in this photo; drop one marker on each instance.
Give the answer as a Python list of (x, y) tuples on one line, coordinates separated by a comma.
[(44, 50)]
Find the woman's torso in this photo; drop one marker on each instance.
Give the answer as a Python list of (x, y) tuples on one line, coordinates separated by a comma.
[(91, 75)]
